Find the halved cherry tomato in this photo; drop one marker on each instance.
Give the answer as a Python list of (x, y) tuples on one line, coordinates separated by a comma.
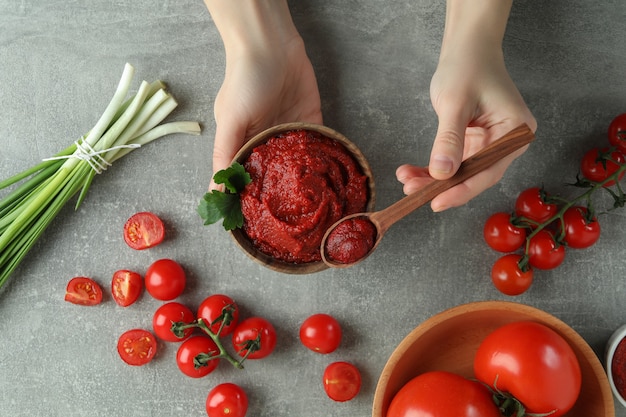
[(442, 393), (617, 132), (581, 229), (165, 279), (137, 347), (254, 338), (544, 252), (83, 291), (167, 314), (143, 230), (501, 235), (187, 356), (508, 277), (600, 163), (342, 381), (126, 287), (217, 309), (321, 333), (227, 400)]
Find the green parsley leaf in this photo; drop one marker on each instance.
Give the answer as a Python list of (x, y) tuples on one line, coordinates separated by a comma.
[(218, 205)]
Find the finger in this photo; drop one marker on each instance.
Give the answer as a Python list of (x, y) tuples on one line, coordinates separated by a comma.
[(447, 151), (229, 137)]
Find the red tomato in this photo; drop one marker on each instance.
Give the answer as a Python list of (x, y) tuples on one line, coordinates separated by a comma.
[(534, 204), (581, 229), (544, 252), (217, 309), (126, 287), (342, 381), (83, 291), (165, 279), (617, 133), (137, 347), (321, 333), (227, 400), (599, 164), (507, 276), (533, 363), (442, 393), (254, 338), (143, 230), (167, 314), (501, 235), (190, 363)]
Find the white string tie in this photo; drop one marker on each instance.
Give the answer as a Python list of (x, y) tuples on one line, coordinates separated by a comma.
[(94, 158)]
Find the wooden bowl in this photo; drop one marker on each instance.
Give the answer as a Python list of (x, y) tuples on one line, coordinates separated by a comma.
[(611, 347), (239, 235), (449, 340)]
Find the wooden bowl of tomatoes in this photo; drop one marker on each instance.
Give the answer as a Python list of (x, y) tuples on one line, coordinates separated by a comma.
[(450, 340), (304, 178)]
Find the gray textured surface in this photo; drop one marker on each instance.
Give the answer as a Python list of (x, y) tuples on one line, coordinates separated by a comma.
[(59, 64)]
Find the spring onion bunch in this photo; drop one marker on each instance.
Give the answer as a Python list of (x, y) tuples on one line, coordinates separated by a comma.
[(126, 124)]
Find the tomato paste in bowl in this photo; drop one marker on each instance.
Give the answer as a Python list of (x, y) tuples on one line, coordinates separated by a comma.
[(305, 178)]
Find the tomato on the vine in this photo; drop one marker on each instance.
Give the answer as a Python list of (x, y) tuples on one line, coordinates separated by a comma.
[(442, 393), (544, 252), (533, 363), (617, 132), (219, 310), (227, 400), (508, 277), (254, 338), (581, 229), (165, 279), (143, 230), (186, 356), (321, 333), (342, 381), (501, 235), (167, 314), (137, 347), (600, 163), (83, 291), (126, 287), (533, 203)]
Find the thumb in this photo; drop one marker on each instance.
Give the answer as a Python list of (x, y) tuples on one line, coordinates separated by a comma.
[(447, 151), (229, 137)]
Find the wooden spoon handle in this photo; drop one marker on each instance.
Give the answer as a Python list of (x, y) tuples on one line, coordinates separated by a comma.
[(483, 159)]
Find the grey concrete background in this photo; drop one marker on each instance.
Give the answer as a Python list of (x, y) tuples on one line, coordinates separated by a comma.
[(59, 64)]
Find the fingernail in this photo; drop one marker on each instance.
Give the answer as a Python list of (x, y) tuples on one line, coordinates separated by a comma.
[(441, 164)]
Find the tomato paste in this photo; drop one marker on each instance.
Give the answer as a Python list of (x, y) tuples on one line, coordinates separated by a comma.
[(302, 183), (351, 240), (618, 368)]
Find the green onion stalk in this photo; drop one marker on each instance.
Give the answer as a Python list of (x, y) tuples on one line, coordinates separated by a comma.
[(44, 189)]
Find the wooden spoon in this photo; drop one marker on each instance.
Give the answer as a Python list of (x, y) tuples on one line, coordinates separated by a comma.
[(384, 219)]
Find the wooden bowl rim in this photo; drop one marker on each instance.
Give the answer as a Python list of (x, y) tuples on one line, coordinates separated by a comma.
[(241, 239), (382, 398)]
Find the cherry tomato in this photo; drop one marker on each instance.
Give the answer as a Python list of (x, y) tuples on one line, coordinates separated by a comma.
[(321, 333), (254, 338), (126, 287), (442, 393), (190, 349), (227, 400), (533, 203), (544, 252), (581, 230), (342, 381), (617, 133), (137, 347), (600, 163), (533, 363), (507, 276), (217, 309), (165, 279), (167, 314), (83, 291), (143, 230), (501, 235)]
